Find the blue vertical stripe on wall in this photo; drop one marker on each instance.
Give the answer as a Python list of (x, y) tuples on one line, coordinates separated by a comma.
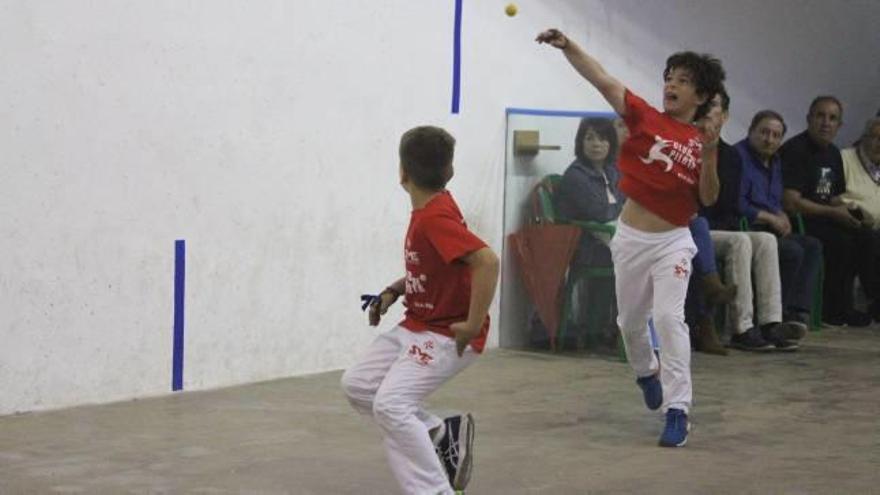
[(456, 58), (179, 279)]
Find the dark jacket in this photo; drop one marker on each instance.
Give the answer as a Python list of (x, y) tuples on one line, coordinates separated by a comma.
[(582, 195)]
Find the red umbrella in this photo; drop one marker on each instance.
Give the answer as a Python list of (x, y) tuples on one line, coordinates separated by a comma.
[(543, 253)]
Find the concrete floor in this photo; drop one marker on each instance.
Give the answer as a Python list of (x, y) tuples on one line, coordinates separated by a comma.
[(546, 424)]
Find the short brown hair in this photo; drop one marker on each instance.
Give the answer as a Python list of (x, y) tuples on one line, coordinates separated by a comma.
[(426, 156), (767, 114), (822, 99)]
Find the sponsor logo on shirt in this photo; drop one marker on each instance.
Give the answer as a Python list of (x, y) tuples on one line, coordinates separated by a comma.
[(656, 154), (669, 151), (411, 257), (681, 269), (415, 284)]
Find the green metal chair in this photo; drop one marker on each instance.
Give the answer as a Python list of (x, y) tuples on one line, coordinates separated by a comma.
[(576, 274)]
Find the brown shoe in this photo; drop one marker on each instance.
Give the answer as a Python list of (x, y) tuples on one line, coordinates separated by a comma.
[(716, 292), (706, 338)]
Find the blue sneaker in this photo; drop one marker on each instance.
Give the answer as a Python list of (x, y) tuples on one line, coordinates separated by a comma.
[(652, 391), (677, 426)]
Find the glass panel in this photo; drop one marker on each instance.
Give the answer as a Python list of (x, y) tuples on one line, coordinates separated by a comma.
[(525, 168)]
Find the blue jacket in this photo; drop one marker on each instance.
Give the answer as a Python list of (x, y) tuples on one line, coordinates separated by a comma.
[(761, 187)]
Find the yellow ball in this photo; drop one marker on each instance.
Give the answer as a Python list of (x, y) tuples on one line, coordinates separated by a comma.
[(510, 10)]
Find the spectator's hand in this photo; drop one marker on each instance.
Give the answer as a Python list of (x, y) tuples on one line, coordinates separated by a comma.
[(783, 225), (867, 219), (553, 37), (842, 215), (710, 132), (464, 333), (380, 306)]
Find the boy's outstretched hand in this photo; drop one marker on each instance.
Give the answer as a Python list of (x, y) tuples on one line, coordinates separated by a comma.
[(464, 333), (553, 37)]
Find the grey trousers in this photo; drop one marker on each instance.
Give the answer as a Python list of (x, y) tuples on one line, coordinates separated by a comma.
[(751, 261)]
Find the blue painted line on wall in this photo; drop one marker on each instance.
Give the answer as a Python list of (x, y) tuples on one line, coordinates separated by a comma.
[(179, 284), (456, 59), (559, 113)]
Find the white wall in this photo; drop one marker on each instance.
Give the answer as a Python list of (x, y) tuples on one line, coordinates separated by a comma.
[(264, 134)]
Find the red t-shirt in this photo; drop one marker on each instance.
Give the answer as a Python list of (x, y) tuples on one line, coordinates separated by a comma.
[(660, 163), (438, 284)]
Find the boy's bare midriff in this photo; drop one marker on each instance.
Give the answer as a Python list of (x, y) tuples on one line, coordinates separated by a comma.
[(640, 218)]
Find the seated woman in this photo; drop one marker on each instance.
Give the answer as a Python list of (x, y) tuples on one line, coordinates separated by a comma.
[(588, 191)]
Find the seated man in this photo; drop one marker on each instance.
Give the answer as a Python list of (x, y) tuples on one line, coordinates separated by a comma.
[(760, 202), (861, 170), (813, 181), (588, 191), (749, 258)]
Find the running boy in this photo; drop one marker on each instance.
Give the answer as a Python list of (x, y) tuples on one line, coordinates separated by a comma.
[(449, 283), (666, 167)]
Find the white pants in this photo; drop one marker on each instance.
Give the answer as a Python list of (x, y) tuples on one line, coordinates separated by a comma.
[(651, 275), (750, 258), (399, 370)]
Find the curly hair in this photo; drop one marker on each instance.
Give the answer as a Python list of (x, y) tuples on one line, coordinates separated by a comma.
[(725, 99), (706, 71)]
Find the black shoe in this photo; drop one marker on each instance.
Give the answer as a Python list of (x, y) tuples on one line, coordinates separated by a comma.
[(771, 334), (456, 450), (751, 340), (858, 319), (800, 319), (834, 321), (791, 330)]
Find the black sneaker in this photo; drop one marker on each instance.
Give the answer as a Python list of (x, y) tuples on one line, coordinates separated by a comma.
[(799, 319), (834, 321), (789, 330), (456, 450), (751, 340), (772, 334), (858, 319)]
